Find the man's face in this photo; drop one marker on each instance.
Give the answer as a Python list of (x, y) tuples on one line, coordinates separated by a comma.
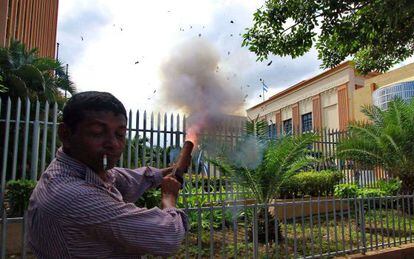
[(99, 133)]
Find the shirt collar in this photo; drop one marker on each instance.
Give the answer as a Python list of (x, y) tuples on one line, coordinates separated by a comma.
[(84, 171)]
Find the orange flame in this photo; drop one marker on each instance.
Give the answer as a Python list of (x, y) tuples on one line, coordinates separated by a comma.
[(192, 133)]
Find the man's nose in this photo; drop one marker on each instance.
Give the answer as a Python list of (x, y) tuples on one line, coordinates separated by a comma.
[(112, 142)]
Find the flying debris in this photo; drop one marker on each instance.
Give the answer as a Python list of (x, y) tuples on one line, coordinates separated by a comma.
[(228, 52), (246, 96), (81, 38), (260, 96), (204, 27), (231, 35), (248, 85), (268, 64), (136, 62), (261, 79), (191, 26), (154, 91), (239, 34), (231, 21), (199, 35), (121, 28)]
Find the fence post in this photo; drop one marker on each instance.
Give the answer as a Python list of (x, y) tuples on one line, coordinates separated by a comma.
[(255, 232), (362, 225), (356, 177)]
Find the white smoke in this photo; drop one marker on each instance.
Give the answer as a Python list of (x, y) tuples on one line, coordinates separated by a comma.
[(193, 82)]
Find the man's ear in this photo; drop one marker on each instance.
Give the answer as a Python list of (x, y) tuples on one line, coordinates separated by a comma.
[(65, 134)]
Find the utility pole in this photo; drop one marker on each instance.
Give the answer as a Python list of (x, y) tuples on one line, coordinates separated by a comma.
[(67, 76), (57, 51)]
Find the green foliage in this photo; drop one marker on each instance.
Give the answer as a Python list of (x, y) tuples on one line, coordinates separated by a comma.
[(282, 159), (2, 87), (25, 74), (17, 194), (371, 192), (338, 29), (390, 187), (150, 199), (385, 188), (257, 128), (192, 198), (386, 142), (345, 190), (311, 183)]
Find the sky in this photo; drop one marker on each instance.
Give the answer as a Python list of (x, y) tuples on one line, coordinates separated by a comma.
[(121, 46)]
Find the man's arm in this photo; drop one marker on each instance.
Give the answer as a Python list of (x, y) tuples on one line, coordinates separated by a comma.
[(132, 183), (125, 226)]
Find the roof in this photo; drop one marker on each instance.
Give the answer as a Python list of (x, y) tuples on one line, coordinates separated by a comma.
[(304, 83)]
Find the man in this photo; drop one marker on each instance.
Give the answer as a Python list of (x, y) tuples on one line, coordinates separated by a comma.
[(81, 209)]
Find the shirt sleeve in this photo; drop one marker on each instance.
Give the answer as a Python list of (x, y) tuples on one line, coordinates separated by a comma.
[(132, 183), (123, 225)]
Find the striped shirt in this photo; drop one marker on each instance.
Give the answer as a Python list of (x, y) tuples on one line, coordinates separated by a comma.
[(73, 214)]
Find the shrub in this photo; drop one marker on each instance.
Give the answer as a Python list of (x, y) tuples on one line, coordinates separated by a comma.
[(390, 187), (385, 188), (346, 190), (311, 183), (18, 194), (371, 192)]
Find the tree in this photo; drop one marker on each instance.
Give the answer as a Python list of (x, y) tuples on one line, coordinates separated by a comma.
[(375, 33), (387, 141), (280, 160), (25, 74)]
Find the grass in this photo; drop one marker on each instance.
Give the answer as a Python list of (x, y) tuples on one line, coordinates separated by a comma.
[(328, 235)]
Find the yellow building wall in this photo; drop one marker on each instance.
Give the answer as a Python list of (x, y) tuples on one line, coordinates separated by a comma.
[(405, 73), (362, 96)]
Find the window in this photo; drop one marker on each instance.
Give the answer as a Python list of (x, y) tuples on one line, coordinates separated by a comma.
[(306, 122), (287, 126), (272, 130)]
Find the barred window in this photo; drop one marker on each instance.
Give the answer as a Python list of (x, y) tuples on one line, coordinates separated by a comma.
[(287, 126), (307, 122), (272, 130)]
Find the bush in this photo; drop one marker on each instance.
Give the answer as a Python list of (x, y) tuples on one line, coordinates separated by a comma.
[(311, 183), (18, 194), (371, 192), (385, 188), (346, 190), (390, 187)]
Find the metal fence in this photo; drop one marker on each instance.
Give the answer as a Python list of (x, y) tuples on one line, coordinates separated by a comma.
[(28, 132), (302, 228)]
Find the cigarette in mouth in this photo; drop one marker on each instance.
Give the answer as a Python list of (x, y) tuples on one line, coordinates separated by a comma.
[(105, 162)]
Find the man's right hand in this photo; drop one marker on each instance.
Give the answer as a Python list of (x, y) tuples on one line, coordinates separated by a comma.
[(169, 191)]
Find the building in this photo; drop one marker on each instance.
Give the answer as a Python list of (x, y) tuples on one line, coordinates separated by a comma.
[(33, 22), (395, 83), (329, 100)]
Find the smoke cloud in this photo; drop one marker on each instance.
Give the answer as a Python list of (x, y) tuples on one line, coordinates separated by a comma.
[(194, 82)]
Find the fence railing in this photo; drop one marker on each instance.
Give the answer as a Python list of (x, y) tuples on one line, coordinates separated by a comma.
[(28, 133), (302, 228)]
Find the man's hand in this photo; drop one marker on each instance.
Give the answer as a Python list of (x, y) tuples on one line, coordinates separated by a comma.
[(169, 191)]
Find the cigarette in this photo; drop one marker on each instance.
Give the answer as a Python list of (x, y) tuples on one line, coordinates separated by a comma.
[(105, 162)]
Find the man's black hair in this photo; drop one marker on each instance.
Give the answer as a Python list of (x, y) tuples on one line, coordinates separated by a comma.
[(78, 104)]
